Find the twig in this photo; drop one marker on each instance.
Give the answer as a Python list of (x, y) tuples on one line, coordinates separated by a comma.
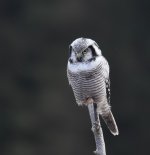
[(97, 130)]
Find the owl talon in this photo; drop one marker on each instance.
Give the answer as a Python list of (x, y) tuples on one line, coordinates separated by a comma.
[(88, 101)]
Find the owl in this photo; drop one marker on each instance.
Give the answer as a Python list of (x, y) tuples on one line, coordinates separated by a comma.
[(88, 75)]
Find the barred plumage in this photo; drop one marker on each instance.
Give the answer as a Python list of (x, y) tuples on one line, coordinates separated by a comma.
[(89, 84)]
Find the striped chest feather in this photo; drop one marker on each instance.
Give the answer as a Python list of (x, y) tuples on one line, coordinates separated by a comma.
[(87, 84)]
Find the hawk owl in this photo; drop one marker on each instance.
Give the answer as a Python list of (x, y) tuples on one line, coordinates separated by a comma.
[(88, 75)]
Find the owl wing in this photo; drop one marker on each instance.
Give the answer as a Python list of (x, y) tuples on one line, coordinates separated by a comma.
[(107, 82), (105, 68)]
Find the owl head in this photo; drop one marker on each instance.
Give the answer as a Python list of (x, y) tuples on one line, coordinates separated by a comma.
[(83, 50)]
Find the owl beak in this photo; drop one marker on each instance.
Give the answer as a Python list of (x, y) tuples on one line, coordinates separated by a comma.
[(79, 57)]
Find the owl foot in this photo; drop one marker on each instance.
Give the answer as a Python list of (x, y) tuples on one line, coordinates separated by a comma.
[(88, 101)]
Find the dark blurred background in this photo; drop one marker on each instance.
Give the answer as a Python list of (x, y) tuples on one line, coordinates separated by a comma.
[(38, 113)]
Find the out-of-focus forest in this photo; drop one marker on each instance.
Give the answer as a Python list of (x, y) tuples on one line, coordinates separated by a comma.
[(38, 113)]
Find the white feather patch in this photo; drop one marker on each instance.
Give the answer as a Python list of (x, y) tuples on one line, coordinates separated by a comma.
[(84, 66)]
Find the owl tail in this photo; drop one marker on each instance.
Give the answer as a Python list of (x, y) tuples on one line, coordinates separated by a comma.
[(111, 123)]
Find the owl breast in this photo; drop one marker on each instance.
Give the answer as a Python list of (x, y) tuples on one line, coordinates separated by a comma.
[(88, 84)]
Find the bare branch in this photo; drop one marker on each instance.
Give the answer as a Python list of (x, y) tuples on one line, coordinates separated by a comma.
[(97, 131)]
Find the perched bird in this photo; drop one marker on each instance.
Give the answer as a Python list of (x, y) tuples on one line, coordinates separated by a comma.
[(88, 75)]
